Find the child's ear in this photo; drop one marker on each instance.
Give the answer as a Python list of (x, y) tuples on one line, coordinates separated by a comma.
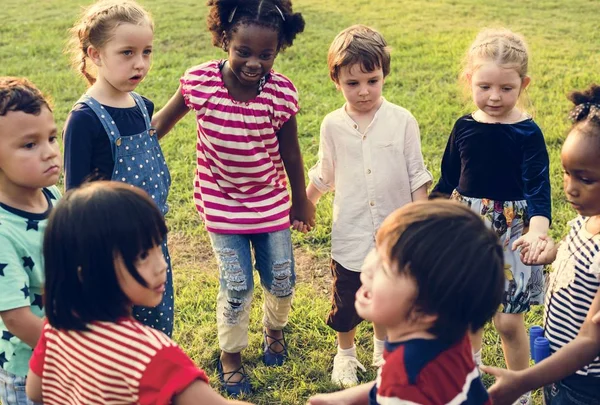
[(94, 55), (224, 41), (469, 77), (525, 82)]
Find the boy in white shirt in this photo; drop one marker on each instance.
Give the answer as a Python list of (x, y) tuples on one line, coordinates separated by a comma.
[(370, 154)]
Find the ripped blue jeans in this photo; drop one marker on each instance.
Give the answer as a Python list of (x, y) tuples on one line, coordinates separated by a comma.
[(274, 261)]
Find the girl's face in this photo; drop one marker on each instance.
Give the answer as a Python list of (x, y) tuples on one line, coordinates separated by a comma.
[(152, 267), (496, 89), (581, 179), (251, 53), (124, 61), (386, 297)]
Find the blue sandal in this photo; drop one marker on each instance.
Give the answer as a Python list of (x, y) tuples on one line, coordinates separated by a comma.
[(237, 388), (270, 357)]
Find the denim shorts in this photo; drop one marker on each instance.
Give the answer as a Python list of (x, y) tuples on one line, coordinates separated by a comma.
[(12, 390), (560, 394)]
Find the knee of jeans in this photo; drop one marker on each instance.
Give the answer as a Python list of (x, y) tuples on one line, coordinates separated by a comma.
[(231, 270), (234, 309), (283, 280)]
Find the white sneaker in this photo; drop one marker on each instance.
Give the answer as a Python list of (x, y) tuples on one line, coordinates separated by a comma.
[(344, 370), (524, 400)]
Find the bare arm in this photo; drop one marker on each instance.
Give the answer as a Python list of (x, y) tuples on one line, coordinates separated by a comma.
[(420, 194), (22, 323), (358, 395), (313, 193), (200, 392), (33, 387), (289, 148), (170, 114)]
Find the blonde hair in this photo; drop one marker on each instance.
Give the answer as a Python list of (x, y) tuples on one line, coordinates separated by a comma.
[(361, 45), (96, 27), (505, 48)]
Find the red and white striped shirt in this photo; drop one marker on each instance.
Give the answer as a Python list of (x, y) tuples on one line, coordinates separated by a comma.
[(240, 183), (116, 363)]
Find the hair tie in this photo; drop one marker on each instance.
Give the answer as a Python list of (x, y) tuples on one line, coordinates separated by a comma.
[(280, 13), (585, 110)]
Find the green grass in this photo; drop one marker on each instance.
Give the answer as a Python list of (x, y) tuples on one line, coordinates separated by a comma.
[(428, 39)]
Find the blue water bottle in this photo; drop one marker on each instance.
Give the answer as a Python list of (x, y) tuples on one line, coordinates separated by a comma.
[(541, 349), (534, 333)]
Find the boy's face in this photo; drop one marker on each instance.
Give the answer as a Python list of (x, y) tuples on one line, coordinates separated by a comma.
[(386, 298), (362, 90), (29, 153)]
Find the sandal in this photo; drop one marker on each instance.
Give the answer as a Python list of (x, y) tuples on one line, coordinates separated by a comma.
[(237, 388), (271, 357)]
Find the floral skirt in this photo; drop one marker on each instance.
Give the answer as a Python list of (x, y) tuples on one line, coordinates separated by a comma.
[(524, 284)]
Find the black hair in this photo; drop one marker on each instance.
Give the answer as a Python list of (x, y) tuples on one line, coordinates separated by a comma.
[(89, 228), (456, 261), (586, 112), (226, 15), (19, 94)]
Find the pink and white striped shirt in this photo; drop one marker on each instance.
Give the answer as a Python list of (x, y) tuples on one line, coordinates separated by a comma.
[(240, 184)]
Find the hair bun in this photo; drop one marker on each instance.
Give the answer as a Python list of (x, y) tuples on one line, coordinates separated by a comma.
[(587, 103)]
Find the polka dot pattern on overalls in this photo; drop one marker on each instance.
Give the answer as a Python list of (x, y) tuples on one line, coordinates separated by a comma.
[(139, 161)]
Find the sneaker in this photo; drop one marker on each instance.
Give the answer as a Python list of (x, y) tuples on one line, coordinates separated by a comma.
[(524, 400), (344, 370)]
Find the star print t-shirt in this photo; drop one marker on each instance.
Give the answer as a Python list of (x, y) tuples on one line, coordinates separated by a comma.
[(21, 275)]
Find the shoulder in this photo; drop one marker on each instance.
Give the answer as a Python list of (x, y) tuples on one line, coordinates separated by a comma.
[(397, 111), (282, 82), (204, 71), (149, 104), (53, 193), (335, 117), (531, 128), (81, 119)]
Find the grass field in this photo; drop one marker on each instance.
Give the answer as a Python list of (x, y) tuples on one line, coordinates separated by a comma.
[(428, 39)]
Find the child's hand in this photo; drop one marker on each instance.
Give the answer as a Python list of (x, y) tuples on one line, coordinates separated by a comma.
[(505, 390), (302, 215), (536, 249), (326, 399)]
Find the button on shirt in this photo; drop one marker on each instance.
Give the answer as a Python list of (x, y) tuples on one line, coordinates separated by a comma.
[(372, 173)]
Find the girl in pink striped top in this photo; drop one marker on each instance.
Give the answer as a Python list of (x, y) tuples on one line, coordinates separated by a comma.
[(247, 142)]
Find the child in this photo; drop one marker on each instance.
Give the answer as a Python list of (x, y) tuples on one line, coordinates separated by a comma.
[(572, 373), (246, 135), (30, 165), (103, 254), (497, 164), (424, 283), (361, 144), (108, 133)]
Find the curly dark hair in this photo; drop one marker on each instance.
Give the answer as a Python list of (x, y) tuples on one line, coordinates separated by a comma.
[(586, 112), (19, 94), (226, 15)]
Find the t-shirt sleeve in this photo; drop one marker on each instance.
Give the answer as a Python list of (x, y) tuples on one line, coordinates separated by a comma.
[(36, 363), (418, 175), (322, 174), (169, 372), (285, 100), (536, 175), (80, 129), (199, 83), (14, 280), (451, 166)]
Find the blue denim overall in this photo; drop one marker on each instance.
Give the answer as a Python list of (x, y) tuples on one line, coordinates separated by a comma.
[(139, 161)]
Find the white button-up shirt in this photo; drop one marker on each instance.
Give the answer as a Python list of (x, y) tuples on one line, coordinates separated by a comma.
[(372, 173)]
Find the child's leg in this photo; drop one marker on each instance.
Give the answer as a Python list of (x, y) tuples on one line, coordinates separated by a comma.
[(378, 344), (275, 264), (515, 343), (344, 319), (234, 298)]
